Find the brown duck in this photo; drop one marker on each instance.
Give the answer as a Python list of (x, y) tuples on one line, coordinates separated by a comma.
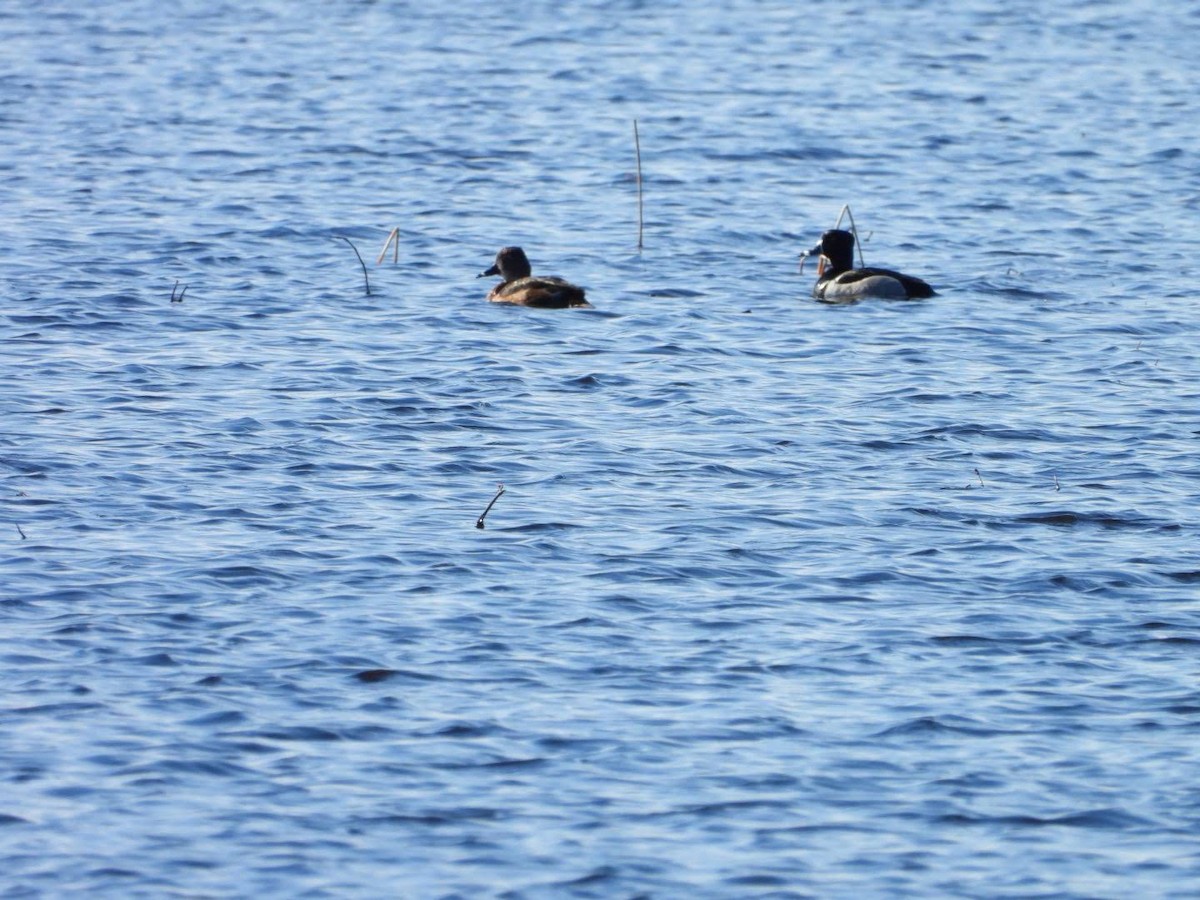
[(521, 288)]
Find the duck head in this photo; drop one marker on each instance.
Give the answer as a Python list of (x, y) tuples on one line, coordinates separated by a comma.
[(834, 252), (511, 264)]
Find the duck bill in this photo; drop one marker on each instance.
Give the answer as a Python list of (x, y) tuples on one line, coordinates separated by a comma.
[(494, 270)]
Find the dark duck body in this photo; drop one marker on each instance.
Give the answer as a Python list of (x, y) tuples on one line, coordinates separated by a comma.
[(521, 288), (838, 280)]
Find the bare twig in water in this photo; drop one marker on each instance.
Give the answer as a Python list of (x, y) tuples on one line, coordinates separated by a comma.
[(483, 515), (178, 299), (20, 532), (1057, 486), (637, 147), (366, 280), (980, 477), (392, 238)]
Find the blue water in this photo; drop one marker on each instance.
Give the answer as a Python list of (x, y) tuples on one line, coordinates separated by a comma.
[(781, 600)]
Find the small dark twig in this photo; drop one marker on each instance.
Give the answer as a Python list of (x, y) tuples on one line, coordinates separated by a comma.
[(980, 477), (499, 491), (20, 532), (366, 280), (178, 299)]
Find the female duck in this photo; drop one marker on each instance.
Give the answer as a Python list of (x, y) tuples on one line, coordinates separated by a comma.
[(520, 288), (838, 280)]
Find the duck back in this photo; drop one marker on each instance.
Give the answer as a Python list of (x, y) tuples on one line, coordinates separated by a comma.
[(544, 292), (886, 284)]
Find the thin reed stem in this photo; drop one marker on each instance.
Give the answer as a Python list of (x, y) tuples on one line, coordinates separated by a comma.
[(393, 237), (637, 146), (366, 280), (853, 230), (483, 515)]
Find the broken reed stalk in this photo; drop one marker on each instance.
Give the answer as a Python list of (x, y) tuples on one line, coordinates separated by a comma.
[(853, 230), (392, 238), (20, 532), (366, 280), (637, 146), (1057, 486), (178, 299), (980, 477), (483, 515)]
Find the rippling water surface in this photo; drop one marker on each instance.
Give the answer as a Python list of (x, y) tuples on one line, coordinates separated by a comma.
[(782, 599)]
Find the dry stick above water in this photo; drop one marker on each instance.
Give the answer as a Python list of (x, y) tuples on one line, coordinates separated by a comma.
[(366, 280), (637, 146), (393, 238), (483, 515), (178, 299), (853, 230)]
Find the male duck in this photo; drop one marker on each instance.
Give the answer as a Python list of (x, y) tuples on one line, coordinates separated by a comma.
[(838, 280), (520, 288)]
